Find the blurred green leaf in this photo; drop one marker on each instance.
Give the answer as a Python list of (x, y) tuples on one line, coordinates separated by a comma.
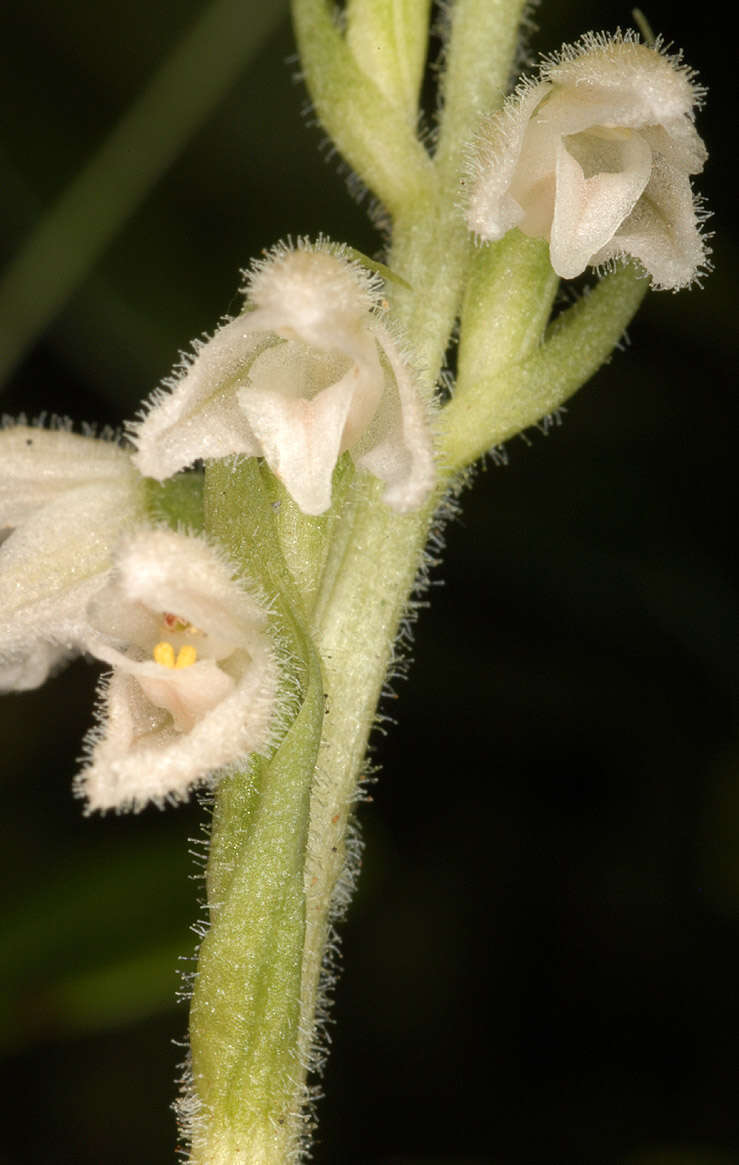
[(98, 945), (193, 78)]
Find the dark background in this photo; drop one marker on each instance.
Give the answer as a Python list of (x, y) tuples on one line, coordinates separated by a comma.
[(541, 959)]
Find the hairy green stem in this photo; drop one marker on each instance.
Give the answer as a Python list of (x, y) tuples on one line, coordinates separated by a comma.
[(372, 133), (481, 48), (431, 246), (496, 406), (355, 634), (340, 583), (245, 1101)]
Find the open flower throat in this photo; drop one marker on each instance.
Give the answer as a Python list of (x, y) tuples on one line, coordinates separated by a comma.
[(185, 698), (193, 681), (310, 371), (596, 157), (170, 652)]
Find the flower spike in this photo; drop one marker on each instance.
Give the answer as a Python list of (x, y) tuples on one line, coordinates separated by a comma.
[(308, 372), (596, 156), (194, 676)]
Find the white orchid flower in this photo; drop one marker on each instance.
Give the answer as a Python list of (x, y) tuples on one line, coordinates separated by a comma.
[(64, 501), (194, 677), (595, 157), (309, 372)]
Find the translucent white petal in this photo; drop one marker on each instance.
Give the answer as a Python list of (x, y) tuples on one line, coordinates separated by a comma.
[(679, 143), (166, 571), (36, 465), (588, 211), (314, 293), (186, 693), (30, 668), (165, 729), (662, 231), (532, 184), (137, 756), (52, 566), (302, 439), (199, 416), (493, 208), (398, 447), (639, 84), (572, 111)]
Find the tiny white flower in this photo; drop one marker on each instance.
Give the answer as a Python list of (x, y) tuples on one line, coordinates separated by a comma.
[(64, 500), (194, 676), (596, 156), (309, 371)]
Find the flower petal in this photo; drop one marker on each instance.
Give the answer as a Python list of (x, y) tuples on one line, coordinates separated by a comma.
[(166, 571), (137, 755), (638, 84), (302, 439), (679, 143), (397, 448), (588, 211), (31, 667), (37, 465), (315, 293), (186, 693), (51, 567), (166, 729), (493, 208), (662, 231), (199, 415)]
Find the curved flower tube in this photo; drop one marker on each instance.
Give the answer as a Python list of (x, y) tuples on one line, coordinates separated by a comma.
[(64, 501), (596, 156), (309, 371), (194, 676)]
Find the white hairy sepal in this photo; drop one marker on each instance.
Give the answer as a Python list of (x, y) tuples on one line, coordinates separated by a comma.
[(37, 465), (309, 371), (67, 499), (596, 156), (162, 730)]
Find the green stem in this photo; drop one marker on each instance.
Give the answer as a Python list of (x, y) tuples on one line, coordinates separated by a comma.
[(355, 634), (388, 39), (507, 303), (500, 405), (247, 1093), (431, 246), (372, 133), (482, 43), (245, 1016), (275, 869), (341, 584), (363, 599)]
